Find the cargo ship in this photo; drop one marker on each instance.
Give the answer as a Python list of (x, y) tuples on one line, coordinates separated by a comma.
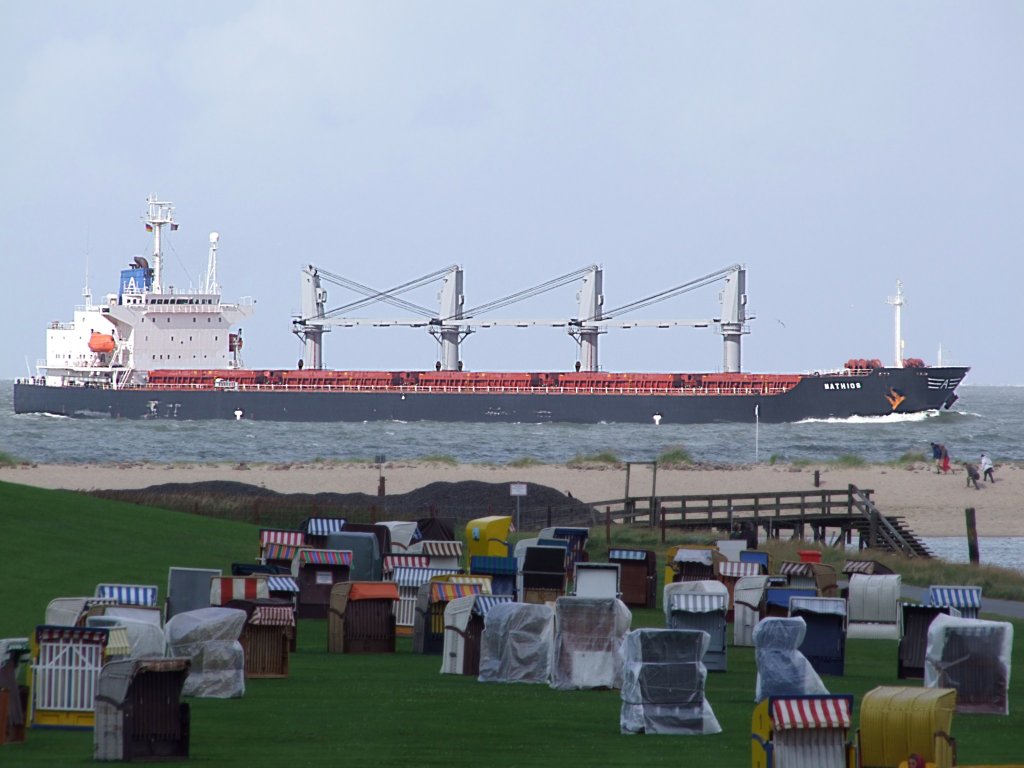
[(152, 352)]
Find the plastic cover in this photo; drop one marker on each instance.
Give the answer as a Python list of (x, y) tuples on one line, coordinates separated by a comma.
[(587, 643), (209, 638), (145, 638), (663, 681), (972, 656), (781, 669), (516, 644)]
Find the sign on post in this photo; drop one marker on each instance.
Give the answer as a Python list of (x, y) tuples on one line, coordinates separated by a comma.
[(518, 490)]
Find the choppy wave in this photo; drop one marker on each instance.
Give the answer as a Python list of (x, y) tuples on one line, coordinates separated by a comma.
[(889, 418)]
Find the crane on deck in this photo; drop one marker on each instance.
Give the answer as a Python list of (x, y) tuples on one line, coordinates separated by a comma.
[(452, 322)]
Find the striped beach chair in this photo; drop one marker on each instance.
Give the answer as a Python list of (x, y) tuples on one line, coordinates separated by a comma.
[(66, 664), (965, 599), (129, 594)]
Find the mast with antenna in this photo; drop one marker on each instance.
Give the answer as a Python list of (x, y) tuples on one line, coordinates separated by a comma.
[(897, 303), (158, 215), (211, 266)]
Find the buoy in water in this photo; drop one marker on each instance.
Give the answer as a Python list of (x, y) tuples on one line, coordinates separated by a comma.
[(238, 414), (657, 419)]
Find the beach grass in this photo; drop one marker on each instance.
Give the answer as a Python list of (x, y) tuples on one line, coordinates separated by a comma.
[(525, 461), (9, 460), (439, 458), (675, 456), (602, 457), (385, 710)]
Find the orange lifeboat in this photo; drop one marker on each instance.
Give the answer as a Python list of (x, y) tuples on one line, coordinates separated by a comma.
[(102, 343)]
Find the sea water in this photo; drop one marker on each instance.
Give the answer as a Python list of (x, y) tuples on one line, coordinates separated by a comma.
[(989, 419)]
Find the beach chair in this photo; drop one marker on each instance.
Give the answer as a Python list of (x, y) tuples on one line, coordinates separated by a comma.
[(516, 645), (638, 576), (965, 599), (139, 711), (700, 606), (804, 731), (663, 680), (916, 620), (588, 634), (971, 656), (873, 607), (897, 721), (361, 618), (824, 643)]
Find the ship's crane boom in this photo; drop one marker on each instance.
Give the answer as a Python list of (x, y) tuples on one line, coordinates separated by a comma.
[(449, 325)]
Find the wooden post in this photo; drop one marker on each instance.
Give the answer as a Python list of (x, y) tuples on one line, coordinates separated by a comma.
[(972, 536), (817, 478), (548, 518), (608, 526), (873, 528), (662, 516)]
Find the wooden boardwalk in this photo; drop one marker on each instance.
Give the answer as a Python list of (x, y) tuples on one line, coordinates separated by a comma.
[(830, 516)]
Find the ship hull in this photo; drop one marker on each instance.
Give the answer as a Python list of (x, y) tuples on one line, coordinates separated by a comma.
[(881, 392)]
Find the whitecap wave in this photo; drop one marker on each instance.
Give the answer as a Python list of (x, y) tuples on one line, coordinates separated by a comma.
[(889, 418)]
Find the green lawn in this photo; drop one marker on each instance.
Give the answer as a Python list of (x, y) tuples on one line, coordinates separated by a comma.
[(379, 710)]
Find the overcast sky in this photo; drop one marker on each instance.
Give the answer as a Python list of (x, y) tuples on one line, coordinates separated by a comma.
[(831, 148)]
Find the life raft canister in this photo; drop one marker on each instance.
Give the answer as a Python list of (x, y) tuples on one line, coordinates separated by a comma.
[(101, 343)]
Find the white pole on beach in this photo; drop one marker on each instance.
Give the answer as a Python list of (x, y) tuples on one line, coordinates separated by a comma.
[(757, 434)]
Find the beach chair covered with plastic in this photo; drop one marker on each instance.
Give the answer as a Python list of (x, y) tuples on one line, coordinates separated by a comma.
[(543, 574), (187, 589), (638, 576), (700, 605), (145, 639), (139, 711), (13, 691), (429, 628), (802, 732), (66, 664), (824, 643), (129, 594), (966, 599), (516, 643), (916, 620), (692, 563), (663, 679), (73, 611), (898, 721), (316, 571), (502, 570), (781, 669), (361, 618), (873, 607), (587, 638), (596, 580), (464, 619), (209, 638), (748, 607), (971, 656), (489, 536)]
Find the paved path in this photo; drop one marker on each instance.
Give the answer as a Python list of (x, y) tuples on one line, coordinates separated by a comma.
[(1010, 608)]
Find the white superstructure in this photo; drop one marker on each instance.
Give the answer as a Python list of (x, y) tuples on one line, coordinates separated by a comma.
[(146, 325)]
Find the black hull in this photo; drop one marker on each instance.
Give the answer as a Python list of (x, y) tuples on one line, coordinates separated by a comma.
[(814, 397)]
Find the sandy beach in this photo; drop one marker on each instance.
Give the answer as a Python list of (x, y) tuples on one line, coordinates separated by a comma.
[(932, 504)]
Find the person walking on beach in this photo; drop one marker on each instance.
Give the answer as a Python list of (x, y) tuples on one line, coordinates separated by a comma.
[(937, 450), (987, 468), (972, 475), (945, 460)]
